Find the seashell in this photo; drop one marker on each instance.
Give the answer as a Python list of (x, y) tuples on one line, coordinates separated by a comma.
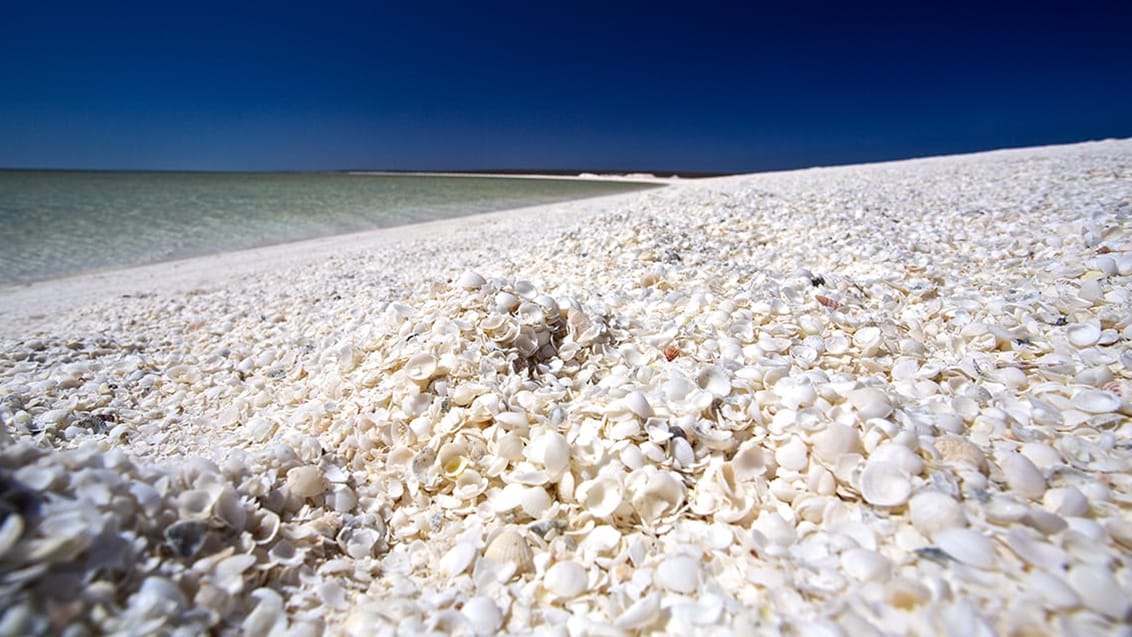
[(868, 339), (870, 403), (654, 494), (267, 617), (483, 615), (195, 504), (510, 549), (1096, 402), (636, 403), (37, 477), (10, 531), (932, 511), (452, 459), (966, 546), (1022, 477), (457, 559), (600, 496), (228, 574), (835, 441), (1082, 335), (714, 380), (265, 526), (469, 280), (671, 352), (551, 450), (1099, 590), (641, 614), (358, 542), (898, 455), (1066, 501), (954, 450), (1042, 455), (306, 481), (885, 484), (533, 500), (284, 553), (229, 510), (1034, 551), (679, 573), (752, 460), (421, 368), (792, 455), (1055, 594), (865, 565), (186, 537), (158, 597), (565, 580)]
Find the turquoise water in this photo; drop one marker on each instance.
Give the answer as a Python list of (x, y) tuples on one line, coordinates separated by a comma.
[(59, 223)]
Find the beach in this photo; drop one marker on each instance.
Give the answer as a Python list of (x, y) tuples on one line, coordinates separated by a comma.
[(862, 400)]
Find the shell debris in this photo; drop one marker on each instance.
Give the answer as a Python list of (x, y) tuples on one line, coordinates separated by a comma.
[(652, 417)]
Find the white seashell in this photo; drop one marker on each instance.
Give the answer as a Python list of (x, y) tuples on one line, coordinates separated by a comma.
[(792, 455), (680, 573), (1099, 590), (471, 281), (1096, 402), (1023, 477), (359, 543), (870, 403), (37, 477), (551, 451), (421, 368), (600, 496), (898, 455), (1029, 546), (1055, 594), (638, 404), (932, 511), (654, 494), (457, 559), (865, 565), (966, 546), (835, 441), (752, 460), (483, 615), (1066, 501), (452, 459), (1082, 335), (641, 614), (285, 554), (885, 484), (565, 580), (677, 389), (714, 380), (10, 531), (306, 481), (195, 504), (956, 450), (228, 574), (510, 548), (267, 617), (795, 395)]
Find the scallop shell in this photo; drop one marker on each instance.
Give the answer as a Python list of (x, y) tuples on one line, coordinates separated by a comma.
[(885, 484), (509, 547), (565, 580), (679, 573), (966, 546)]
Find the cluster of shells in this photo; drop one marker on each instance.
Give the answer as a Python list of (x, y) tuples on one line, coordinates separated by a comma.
[(886, 399)]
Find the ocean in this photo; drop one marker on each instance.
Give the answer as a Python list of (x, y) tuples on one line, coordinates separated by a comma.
[(58, 223)]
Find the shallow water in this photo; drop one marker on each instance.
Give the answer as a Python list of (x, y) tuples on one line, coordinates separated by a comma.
[(58, 223)]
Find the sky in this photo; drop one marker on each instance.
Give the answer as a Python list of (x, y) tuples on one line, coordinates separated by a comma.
[(689, 86)]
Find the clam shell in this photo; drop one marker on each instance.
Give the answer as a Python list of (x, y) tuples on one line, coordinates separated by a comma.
[(457, 559), (792, 455), (469, 280), (600, 496), (306, 481), (420, 368), (966, 546), (714, 380), (565, 580), (1095, 401), (1023, 478), (1082, 335), (870, 403), (834, 441), (679, 573), (1099, 590), (865, 565), (638, 404), (932, 511), (885, 484), (654, 494)]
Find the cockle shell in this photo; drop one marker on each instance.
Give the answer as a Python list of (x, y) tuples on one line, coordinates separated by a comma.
[(885, 484), (510, 548), (640, 614), (470, 280), (600, 496), (306, 481), (932, 511), (714, 380), (420, 368), (551, 450)]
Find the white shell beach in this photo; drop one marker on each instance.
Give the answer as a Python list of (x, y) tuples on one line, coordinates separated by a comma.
[(865, 400)]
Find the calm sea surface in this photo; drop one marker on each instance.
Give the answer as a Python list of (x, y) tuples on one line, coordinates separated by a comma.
[(58, 223)]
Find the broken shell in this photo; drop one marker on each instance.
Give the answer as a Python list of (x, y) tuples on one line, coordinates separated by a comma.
[(600, 496), (565, 580), (1096, 402), (955, 450), (186, 536), (483, 615), (641, 614), (885, 484), (714, 380), (967, 546), (654, 494)]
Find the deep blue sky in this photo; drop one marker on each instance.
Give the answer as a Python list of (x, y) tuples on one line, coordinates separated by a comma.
[(416, 85)]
